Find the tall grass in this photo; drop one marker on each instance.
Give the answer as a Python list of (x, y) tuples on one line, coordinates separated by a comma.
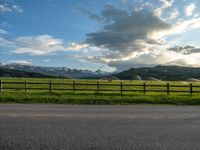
[(86, 97), (57, 98)]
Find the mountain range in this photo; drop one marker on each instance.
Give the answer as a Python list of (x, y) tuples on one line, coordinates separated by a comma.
[(56, 71), (166, 73)]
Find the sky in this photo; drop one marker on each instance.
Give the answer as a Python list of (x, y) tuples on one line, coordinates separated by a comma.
[(110, 35)]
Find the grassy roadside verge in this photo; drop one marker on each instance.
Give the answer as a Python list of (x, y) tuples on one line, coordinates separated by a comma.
[(110, 99)]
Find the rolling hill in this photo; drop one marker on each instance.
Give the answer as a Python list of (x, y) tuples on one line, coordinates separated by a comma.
[(171, 73)]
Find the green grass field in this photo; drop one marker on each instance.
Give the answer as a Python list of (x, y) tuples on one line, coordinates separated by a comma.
[(98, 97)]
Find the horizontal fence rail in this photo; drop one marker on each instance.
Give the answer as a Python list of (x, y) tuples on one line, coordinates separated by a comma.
[(120, 87)]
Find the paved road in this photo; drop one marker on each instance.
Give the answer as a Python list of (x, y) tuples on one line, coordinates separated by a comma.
[(74, 127)]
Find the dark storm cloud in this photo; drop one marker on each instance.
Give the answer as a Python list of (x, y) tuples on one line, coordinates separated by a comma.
[(185, 50), (121, 29), (122, 32)]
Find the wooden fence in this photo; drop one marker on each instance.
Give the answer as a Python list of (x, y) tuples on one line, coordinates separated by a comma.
[(98, 87)]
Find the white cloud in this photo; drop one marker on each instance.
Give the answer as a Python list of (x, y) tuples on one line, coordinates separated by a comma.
[(8, 7), (17, 8), (190, 9), (2, 31), (22, 62), (76, 46), (182, 26), (154, 58), (38, 45), (125, 38), (6, 43), (174, 14), (42, 45), (4, 8), (164, 5)]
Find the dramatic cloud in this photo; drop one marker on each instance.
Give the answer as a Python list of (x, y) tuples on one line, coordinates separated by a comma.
[(144, 59), (182, 26), (131, 34), (125, 31), (190, 9), (163, 58), (137, 37)]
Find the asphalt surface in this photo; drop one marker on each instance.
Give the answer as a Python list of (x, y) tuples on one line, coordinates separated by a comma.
[(74, 127)]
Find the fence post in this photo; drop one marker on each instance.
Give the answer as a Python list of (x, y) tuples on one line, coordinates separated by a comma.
[(25, 86), (144, 85), (50, 87), (1, 86), (191, 88), (167, 88), (97, 86), (74, 86), (121, 85)]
